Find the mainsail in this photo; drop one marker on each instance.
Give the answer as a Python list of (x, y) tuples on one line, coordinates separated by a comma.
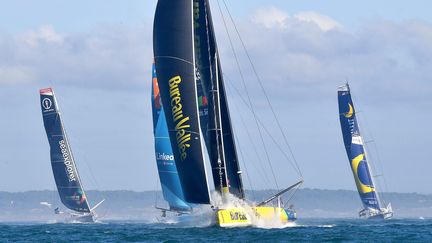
[(63, 165), (355, 149), (214, 113), (171, 187), (173, 46)]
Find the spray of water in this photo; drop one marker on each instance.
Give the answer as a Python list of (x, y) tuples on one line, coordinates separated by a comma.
[(201, 216), (230, 200), (205, 216)]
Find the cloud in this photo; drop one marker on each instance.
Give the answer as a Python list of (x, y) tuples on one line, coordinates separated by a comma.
[(273, 17), (270, 17), (311, 53), (15, 75), (108, 57), (45, 34), (324, 22), (304, 51)]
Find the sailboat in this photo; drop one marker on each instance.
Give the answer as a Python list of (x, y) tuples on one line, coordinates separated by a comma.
[(357, 156), (67, 180), (194, 101)]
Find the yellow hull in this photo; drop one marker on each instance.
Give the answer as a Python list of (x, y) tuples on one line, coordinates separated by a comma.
[(240, 217)]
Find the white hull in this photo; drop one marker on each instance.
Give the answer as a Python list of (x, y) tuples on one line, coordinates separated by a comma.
[(382, 213), (81, 218)]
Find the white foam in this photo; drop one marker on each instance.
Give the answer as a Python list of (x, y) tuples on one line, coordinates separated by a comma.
[(202, 216), (232, 201), (327, 226)]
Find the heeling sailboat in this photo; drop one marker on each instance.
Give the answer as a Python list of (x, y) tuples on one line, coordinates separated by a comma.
[(168, 175), (67, 180), (196, 110), (357, 156)]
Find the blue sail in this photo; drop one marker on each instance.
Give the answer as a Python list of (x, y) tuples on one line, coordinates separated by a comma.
[(355, 149), (168, 175), (66, 176)]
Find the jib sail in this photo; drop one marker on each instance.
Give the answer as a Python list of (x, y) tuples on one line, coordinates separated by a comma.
[(168, 175)]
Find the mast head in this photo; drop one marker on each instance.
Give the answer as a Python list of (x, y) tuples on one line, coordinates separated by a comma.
[(344, 87), (46, 91)]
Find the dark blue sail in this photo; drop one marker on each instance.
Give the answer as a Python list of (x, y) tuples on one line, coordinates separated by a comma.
[(173, 46), (354, 146), (65, 172), (170, 181), (214, 112)]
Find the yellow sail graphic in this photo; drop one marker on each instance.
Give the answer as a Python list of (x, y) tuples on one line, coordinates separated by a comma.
[(350, 112), (361, 187)]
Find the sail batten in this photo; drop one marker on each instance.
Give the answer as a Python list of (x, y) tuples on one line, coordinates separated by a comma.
[(66, 175)]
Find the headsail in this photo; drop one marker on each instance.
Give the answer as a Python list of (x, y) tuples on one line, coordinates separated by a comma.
[(355, 149), (214, 112), (65, 172), (173, 46), (170, 182)]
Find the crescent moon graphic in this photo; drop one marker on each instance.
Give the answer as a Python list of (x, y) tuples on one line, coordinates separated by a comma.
[(361, 187), (350, 112)]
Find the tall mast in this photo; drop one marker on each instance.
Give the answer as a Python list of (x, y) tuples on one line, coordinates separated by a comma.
[(370, 174), (223, 178), (196, 95)]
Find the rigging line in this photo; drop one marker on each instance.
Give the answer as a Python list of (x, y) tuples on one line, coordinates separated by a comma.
[(83, 158), (378, 161), (91, 171), (247, 93), (264, 128), (363, 118), (376, 152), (243, 158), (290, 196), (263, 90), (246, 169), (265, 177)]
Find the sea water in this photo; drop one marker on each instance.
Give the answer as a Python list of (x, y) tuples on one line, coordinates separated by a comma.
[(305, 230)]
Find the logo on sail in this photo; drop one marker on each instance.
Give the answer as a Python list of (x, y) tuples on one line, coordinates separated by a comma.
[(79, 197), (67, 161), (355, 166), (46, 103), (181, 122), (350, 112)]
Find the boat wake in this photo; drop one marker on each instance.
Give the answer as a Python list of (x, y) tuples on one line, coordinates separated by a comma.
[(275, 224), (201, 217)]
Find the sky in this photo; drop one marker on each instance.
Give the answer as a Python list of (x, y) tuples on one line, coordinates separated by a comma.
[(97, 56)]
